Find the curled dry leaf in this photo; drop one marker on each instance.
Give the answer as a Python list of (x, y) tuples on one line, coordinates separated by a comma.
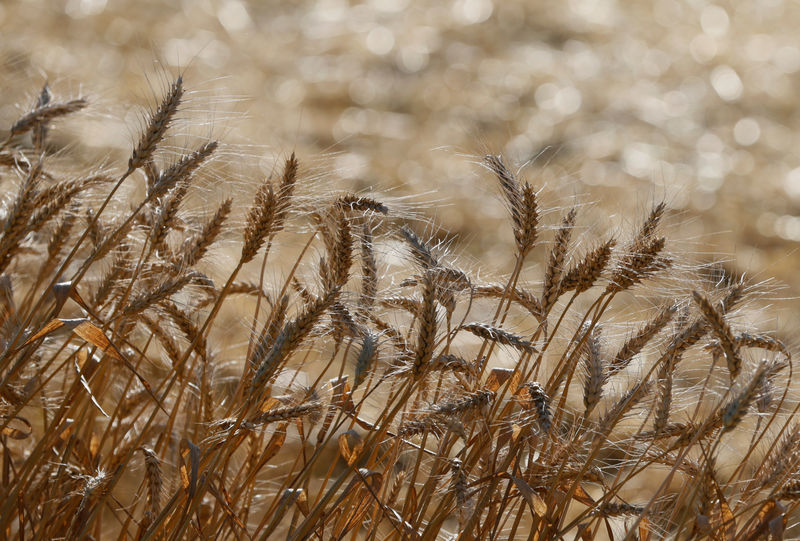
[(21, 431), (350, 446)]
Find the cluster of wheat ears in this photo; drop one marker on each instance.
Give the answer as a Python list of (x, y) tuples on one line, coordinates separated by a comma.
[(369, 404)]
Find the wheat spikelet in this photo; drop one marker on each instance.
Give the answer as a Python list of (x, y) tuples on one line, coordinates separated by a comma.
[(44, 114), (664, 393), (107, 242), (196, 249), (303, 291), (40, 131), (180, 171), (96, 229), (120, 270), (286, 189), (50, 201), (361, 204), (165, 290), (641, 262), (524, 298), (762, 341), (14, 228), (154, 480), (341, 257), (465, 403), (790, 491), (651, 223), (458, 485), (450, 362), (508, 181), (636, 343), (723, 332), (525, 234), (7, 305), (166, 215), (342, 323), (635, 395), (419, 250), (366, 358), (538, 401), (246, 288), (595, 372), (60, 236), (259, 222), (289, 338), (426, 333), (555, 263), (696, 431), (496, 334), (737, 408), (165, 339), (286, 412), (396, 337), (94, 489), (397, 484), (187, 327), (684, 338), (270, 331), (410, 429), (764, 392), (157, 126), (583, 275), (783, 458), (618, 509), (521, 202)]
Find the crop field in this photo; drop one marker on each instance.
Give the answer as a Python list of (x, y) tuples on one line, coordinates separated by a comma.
[(399, 270)]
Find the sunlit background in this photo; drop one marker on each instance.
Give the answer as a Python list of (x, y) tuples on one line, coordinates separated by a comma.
[(622, 103)]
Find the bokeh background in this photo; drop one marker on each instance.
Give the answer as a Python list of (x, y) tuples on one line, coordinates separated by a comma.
[(620, 103)]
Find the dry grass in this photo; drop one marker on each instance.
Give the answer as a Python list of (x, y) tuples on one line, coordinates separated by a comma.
[(444, 407)]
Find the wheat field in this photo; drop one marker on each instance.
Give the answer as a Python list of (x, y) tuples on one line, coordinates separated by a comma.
[(214, 326), (377, 389)]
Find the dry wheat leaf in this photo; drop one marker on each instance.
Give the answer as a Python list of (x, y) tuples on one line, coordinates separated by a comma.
[(516, 430), (770, 517), (350, 445), (224, 501), (644, 529), (535, 502), (340, 390), (299, 498), (85, 384), (269, 404), (366, 498), (275, 443), (16, 432), (497, 377), (585, 533), (582, 496), (94, 445), (723, 523), (189, 475), (92, 334), (51, 326), (82, 328)]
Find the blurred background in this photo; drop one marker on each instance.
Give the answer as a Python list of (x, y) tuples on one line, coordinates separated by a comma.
[(619, 103)]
